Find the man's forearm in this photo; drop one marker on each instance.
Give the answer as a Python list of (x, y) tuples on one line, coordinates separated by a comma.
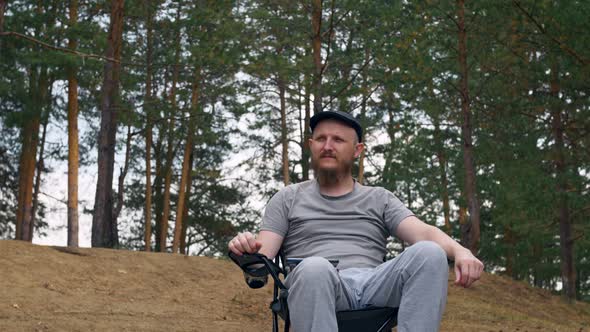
[(450, 246), (413, 230), (468, 268)]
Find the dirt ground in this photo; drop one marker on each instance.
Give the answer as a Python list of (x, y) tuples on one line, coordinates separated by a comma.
[(59, 289)]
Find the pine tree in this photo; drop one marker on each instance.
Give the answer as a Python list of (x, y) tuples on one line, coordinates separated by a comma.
[(104, 230)]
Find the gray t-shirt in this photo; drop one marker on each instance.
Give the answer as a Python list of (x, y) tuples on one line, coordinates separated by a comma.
[(352, 228)]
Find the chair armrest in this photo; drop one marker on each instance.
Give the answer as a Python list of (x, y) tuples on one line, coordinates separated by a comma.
[(256, 268)]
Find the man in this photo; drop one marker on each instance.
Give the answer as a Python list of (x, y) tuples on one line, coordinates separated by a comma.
[(334, 217)]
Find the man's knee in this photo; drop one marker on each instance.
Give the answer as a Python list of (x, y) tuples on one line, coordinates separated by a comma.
[(430, 254), (315, 269)]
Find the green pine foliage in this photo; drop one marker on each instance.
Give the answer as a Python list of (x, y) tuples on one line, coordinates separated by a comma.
[(394, 65)]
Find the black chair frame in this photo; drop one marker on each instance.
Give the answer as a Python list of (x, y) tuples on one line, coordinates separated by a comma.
[(257, 267)]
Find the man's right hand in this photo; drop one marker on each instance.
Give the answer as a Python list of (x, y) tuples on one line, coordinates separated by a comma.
[(244, 243)]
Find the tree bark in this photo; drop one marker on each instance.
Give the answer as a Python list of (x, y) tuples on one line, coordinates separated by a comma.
[(442, 167), (147, 239), (103, 224), (284, 138), (316, 45), (170, 146), (3, 4), (189, 184), (157, 190), (40, 167), (305, 153), (148, 130), (365, 97), (185, 163), (122, 175), (473, 233), (38, 85), (387, 167), (566, 243), (509, 242), (30, 141), (73, 146), (167, 179)]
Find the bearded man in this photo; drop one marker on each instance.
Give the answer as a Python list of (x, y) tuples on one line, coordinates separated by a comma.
[(335, 217)]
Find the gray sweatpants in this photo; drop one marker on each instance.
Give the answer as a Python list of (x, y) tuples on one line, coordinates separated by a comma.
[(415, 281)]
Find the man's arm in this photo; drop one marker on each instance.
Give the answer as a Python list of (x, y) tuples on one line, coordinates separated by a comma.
[(468, 268), (267, 243)]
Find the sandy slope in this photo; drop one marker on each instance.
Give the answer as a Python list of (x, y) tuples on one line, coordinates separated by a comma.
[(56, 289)]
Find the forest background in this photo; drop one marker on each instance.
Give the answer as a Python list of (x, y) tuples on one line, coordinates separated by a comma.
[(183, 117)]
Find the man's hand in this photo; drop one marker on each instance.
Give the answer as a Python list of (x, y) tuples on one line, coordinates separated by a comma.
[(244, 243), (468, 268)]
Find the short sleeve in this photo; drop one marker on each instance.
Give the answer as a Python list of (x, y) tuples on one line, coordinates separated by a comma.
[(395, 212), (275, 214)]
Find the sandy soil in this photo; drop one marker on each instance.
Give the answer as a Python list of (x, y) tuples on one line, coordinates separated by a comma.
[(60, 289)]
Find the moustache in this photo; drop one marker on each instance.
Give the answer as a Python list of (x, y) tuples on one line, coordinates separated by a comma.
[(327, 155)]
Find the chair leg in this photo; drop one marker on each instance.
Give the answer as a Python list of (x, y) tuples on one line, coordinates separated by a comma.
[(275, 322)]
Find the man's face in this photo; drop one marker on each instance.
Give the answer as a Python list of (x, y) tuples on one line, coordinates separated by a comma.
[(334, 146)]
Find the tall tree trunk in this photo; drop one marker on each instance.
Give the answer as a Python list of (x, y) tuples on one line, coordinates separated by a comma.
[(44, 106), (473, 234), (305, 153), (566, 243), (73, 147), (365, 97), (102, 222), (345, 70), (157, 190), (189, 184), (537, 273), (388, 168), (40, 167), (509, 242), (361, 173), (170, 146), (284, 138), (147, 238), (30, 141), (3, 4), (122, 175), (316, 45), (185, 163), (165, 216), (509, 237), (442, 167), (148, 130)]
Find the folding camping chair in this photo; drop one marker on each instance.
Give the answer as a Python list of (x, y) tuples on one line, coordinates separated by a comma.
[(256, 269)]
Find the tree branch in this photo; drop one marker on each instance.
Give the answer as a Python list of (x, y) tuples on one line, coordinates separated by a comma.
[(57, 48), (561, 44)]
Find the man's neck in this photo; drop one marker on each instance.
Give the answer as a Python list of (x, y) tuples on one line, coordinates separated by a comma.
[(335, 185)]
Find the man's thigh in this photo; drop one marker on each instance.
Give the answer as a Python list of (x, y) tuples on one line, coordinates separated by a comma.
[(382, 287), (314, 276), (420, 269)]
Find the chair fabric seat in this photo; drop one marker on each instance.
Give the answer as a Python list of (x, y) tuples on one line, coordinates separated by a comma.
[(368, 319)]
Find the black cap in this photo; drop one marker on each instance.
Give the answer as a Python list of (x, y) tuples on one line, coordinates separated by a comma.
[(340, 116)]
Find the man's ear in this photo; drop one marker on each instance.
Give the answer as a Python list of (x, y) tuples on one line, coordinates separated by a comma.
[(358, 149)]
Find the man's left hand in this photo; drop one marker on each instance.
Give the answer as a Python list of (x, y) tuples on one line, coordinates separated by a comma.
[(468, 268)]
